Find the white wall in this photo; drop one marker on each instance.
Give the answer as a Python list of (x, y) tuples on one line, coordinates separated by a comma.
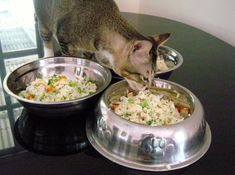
[(23, 10), (128, 5), (216, 17)]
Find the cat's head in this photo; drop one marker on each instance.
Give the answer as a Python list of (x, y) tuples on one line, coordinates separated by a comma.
[(141, 64), (136, 61)]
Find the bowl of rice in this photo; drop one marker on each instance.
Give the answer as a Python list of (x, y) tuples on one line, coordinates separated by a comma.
[(57, 86), (160, 128), (167, 62)]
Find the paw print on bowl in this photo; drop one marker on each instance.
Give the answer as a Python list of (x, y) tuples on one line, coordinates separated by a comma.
[(157, 146), (104, 131)]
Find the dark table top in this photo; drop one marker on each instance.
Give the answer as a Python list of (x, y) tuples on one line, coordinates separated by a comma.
[(208, 71)]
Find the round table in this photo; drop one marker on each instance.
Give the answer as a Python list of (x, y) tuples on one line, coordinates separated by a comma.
[(208, 71)]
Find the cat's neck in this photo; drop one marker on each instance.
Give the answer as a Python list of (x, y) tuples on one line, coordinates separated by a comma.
[(113, 42), (112, 45)]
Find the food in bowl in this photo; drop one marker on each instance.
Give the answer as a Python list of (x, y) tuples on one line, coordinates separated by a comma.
[(168, 61), (72, 67), (153, 107), (143, 147), (57, 88), (164, 65)]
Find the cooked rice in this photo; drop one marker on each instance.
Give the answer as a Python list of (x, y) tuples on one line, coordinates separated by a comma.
[(58, 88), (147, 108)]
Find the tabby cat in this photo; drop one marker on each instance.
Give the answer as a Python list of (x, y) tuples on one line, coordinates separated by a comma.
[(96, 26)]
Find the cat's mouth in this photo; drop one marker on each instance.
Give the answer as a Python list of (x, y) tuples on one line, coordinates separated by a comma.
[(137, 81), (147, 80)]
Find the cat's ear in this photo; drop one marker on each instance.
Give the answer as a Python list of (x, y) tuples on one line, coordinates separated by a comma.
[(162, 38), (140, 50)]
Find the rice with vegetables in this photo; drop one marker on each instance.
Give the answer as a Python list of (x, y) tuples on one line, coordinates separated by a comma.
[(58, 88), (153, 109)]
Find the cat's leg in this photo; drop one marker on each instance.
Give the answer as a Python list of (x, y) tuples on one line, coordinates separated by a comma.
[(89, 55), (67, 49), (46, 36), (64, 38)]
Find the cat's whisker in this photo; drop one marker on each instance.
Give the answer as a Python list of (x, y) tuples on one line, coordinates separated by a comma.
[(150, 78)]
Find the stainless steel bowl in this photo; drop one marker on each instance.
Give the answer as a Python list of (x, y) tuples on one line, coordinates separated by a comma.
[(69, 66), (149, 148), (171, 56)]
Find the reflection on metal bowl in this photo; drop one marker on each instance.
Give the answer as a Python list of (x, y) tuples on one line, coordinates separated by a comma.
[(69, 66), (52, 137), (172, 58), (159, 148)]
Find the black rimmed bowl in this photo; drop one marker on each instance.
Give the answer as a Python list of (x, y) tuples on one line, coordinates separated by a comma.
[(69, 66)]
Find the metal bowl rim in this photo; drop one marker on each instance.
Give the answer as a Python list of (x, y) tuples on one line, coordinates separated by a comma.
[(195, 101), (179, 61), (105, 85)]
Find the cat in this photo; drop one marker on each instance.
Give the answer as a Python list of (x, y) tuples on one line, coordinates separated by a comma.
[(96, 26)]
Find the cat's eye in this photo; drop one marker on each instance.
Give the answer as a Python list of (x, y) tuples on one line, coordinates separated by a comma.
[(136, 47)]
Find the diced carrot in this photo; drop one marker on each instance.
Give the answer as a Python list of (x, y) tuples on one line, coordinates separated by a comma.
[(183, 109), (29, 96), (50, 89), (114, 106), (178, 107)]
